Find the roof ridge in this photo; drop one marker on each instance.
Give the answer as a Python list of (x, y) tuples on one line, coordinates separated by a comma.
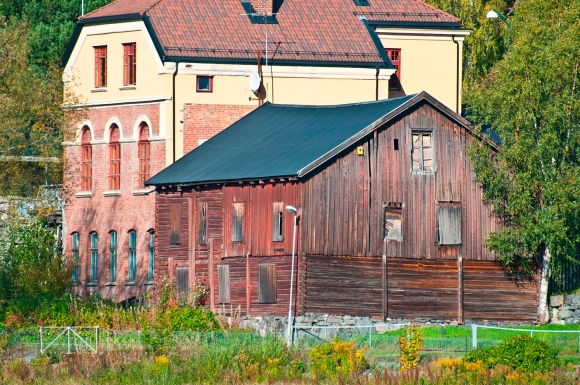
[(410, 96), (147, 9), (98, 9), (437, 9)]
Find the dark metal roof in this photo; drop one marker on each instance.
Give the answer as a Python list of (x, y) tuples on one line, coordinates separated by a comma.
[(274, 141)]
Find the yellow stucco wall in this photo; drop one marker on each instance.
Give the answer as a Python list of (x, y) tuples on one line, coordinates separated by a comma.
[(428, 63)]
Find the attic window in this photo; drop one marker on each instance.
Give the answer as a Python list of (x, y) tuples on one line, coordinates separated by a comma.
[(361, 3), (204, 84)]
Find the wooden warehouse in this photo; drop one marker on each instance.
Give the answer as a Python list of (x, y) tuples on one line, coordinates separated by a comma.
[(391, 223)]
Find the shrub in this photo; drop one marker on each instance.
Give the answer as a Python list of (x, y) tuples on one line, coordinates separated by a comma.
[(337, 358), (522, 353), (410, 344)]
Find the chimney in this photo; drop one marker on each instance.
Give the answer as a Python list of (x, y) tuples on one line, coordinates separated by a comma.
[(263, 7)]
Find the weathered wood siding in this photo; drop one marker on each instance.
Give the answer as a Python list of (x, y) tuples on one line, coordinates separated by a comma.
[(244, 275), (258, 222), (344, 285), (491, 294), (342, 202), (168, 255)]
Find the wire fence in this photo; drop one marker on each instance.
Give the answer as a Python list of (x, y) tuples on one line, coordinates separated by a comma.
[(381, 340)]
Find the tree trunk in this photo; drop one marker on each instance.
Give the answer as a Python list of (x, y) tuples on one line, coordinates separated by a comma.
[(543, 312)]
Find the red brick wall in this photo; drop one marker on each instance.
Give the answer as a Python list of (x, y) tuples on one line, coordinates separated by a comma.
[(123, 213), (262, 6), (202, 121)]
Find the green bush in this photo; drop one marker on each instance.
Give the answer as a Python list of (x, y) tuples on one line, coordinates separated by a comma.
[(522, 353), (337, 358)]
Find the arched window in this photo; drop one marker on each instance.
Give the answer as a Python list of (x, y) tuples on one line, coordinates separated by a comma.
[(112, 256), (151, 269), (94, 257), (114, 159), (144, 154), (132, 255), (86, 159), (75, 257)]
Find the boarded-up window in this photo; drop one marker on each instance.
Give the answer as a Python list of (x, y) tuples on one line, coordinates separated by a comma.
[(238, 222), (449, 223), (267, 283), (278, 222), (422, 151), (392, 223), (223, 283), (175, 223), (202, 223), (182, 274)]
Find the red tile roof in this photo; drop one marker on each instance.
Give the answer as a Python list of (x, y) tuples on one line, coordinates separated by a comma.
[(329, 31)]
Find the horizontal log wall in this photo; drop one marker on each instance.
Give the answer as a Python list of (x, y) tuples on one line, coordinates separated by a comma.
[(493, 295), (344, 285), (422, 289), (419, 289), (342, 202)]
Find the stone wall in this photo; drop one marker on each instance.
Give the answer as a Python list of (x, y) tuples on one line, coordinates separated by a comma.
[(565, 308)]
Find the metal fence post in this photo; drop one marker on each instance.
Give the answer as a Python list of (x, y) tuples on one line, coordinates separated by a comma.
[(68, 339), (370, 337), (41, 339), (474, 336)]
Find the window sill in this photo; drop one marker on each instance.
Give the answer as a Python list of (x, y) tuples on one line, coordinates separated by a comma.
[(112, 193), (129, 87), (92, 284), (130, 283), (148, 283), (143, 192), (101, 89), (111, 284), (84, 194)]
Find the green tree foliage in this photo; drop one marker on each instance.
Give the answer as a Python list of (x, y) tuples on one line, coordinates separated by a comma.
[(488, 39), (32, 271), (531, 100)]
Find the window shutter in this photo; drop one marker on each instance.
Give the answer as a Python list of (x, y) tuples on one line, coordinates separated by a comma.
[(238, 222), (126, 64), (97, 71), (449, 223), (202, 223), (175, 223), (223, 283), (267, 283), (104, 67), (182, 274), (278, 222)]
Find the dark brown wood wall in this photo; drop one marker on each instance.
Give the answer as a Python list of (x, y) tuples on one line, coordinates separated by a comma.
[(258, 219), (342, 203), (422, 289)]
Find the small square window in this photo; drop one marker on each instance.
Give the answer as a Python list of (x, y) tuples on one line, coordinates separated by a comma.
[(393, 223), (204, 83)]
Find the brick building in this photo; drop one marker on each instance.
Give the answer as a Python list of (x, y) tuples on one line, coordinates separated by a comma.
[(159, 77)]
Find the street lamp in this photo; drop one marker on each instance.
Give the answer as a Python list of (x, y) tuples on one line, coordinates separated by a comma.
[(293, 210), (494, 14)]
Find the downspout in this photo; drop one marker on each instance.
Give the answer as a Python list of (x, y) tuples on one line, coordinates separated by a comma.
[(174, 108), (458, 90), (377, 84)]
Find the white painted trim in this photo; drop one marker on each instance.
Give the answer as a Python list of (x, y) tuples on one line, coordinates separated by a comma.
[(71, 144), (158, 138), (80, 128), (142, 192), (414, 33), (142, 119), (103, 29), (245, 70), (111, 121), (99, 141), (84, 194), (135, 101), (128, 140)]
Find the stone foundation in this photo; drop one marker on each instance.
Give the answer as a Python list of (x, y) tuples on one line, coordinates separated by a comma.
[(565, 308)]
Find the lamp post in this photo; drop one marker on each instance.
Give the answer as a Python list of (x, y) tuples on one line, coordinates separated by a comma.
[(293, 210), (494, 14)]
